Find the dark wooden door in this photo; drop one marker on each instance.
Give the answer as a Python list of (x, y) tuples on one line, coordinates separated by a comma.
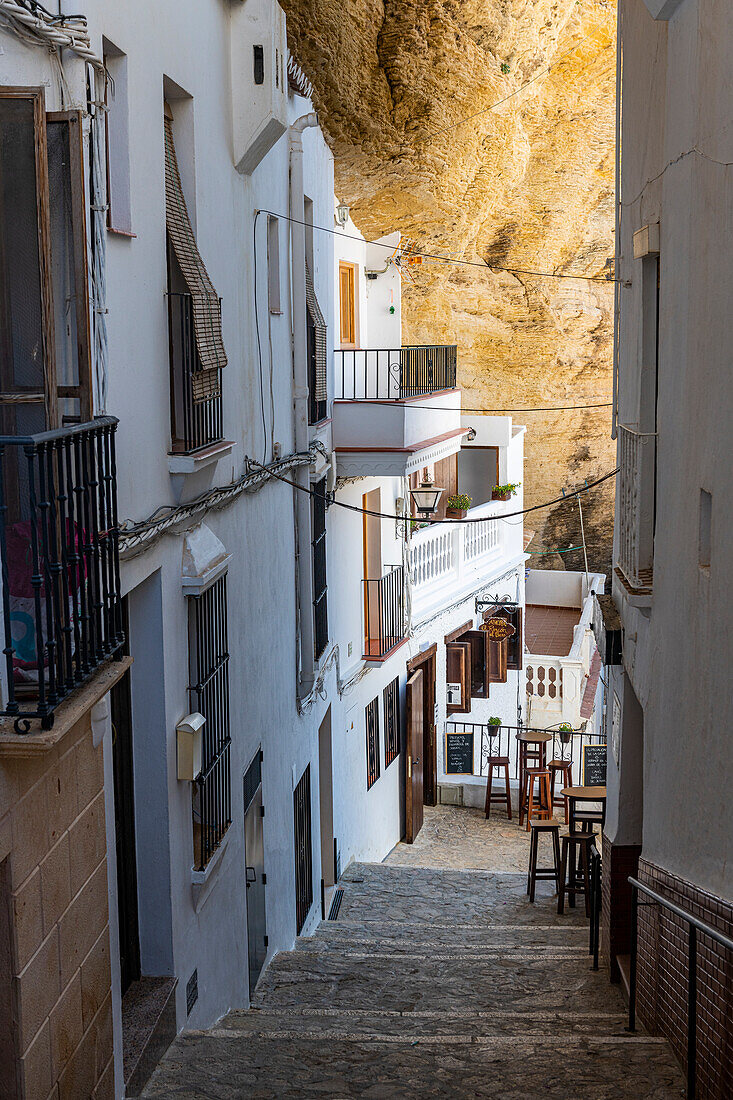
[(414, 754), (125, 832)]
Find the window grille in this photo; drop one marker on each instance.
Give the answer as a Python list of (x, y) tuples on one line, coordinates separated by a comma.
[(303, 849), (392, 730), (320, 589), (209, 694), (372, 742)]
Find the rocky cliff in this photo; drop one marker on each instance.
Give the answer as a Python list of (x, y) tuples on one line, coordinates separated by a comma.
[(526, 186)]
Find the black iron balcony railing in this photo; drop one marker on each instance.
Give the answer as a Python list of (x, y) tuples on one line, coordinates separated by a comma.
[(392, 374), (60, 564), (196, 403), (384, 612)]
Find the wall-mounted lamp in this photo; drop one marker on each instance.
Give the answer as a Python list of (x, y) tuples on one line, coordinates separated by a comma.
[(425, 498), (342, 214), (189, 735)]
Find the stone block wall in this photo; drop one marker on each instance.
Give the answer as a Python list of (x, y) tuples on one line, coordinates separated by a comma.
[(56, 1013), (662, 970)]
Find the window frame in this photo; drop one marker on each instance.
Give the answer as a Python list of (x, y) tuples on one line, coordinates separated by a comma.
[(349, 269), (319, 565), (392, 722), (274, 300)]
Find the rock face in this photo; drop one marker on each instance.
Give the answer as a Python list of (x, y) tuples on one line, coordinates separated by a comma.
[(526, 186)]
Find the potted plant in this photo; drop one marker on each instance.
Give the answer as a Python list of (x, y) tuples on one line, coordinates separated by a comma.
[(566, 732), (504, 492), (494, 725), (457, 505)]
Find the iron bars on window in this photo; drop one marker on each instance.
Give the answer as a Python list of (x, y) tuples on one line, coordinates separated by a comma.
[(60, 564), (209, 695), (320, 588), (196, 401), (303, 849), (372, 741), (392, 733)]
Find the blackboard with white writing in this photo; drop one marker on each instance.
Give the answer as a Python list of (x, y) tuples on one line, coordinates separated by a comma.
[(594, 765), (459, 753)]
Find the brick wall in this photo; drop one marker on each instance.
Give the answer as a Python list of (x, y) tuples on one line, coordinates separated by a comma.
[(619, 861), (662, 979), (53, 892)]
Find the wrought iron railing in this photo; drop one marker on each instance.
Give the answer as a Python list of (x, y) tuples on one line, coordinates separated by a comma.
[(391, 374), (196, 401), (60, 564), (384, 612), (502, 741)]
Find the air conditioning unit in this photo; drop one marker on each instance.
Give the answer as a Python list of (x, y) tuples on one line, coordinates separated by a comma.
[(259, 60)]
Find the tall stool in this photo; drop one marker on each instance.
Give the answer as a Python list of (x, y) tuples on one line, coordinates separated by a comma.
[(540, 826), (565, 768), (543, 806), (575, 870), (498, 796), (532, 746)]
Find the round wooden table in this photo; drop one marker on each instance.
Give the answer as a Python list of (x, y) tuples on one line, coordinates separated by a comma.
[(585, 794), (532, 753)]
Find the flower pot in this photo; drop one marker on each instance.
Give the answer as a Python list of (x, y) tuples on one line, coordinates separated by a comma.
[(565, 736), (500, 496), (456, 513)]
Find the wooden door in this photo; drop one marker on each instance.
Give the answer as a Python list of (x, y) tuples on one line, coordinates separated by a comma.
[(414, 752)]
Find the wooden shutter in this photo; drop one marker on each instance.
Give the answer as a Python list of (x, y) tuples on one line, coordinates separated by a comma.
[(206, 305), (479, 663), (514, 644), (458, 671), (347, 304), (497, 661)]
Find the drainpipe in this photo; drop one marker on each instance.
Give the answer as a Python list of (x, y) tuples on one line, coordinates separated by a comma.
[(303, 538)]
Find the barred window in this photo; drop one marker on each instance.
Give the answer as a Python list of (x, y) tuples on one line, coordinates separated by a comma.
[(392, 730), (320, 603), (209, 694), (372, 742)]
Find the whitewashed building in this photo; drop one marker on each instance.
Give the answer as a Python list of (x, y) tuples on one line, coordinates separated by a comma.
[(668, 638), (220, 685)]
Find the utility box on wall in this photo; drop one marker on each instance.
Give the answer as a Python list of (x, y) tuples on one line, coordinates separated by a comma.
[(259, 63)]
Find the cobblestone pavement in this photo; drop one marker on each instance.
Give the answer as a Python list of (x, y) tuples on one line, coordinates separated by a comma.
[(438, 979)]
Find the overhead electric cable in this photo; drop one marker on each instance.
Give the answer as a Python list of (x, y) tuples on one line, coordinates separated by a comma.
[(437, 256), (571, 495), (469, 409)]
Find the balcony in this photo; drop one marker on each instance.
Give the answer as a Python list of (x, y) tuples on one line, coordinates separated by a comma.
[(384, 614), (395, 409), (60, 565), (562, 662), (448, 559)]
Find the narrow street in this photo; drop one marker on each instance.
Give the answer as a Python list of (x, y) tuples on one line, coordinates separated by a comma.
[(437, 979)]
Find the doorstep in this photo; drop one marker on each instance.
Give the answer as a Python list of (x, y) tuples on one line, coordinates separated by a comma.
[(148, 1029)]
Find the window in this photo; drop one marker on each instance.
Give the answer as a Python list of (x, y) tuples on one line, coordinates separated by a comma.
[(45, 364), (515, 643), (347, 299), (478, 472), (117, 124), (317, 353), (303, 849), (209, 694), (320, 602), (197, 353), (392, 731), (372, 742), (273, 264)]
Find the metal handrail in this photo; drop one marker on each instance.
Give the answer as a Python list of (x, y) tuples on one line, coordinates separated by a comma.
[(695, 925)]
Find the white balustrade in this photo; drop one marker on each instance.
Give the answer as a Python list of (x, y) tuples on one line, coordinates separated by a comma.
[(432, 555)]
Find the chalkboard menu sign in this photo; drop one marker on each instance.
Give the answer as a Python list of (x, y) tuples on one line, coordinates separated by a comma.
[(459, 753), (594, 765)]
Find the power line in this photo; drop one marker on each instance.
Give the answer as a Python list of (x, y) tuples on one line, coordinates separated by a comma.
[(566, 497), (437, 256), (468, 409)]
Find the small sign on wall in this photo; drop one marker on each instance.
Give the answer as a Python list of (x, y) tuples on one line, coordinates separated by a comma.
[(594, 765), (453, 695)]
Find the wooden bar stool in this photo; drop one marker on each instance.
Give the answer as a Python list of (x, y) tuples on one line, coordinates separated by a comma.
[(532, 746), (543, 806), (538, 826), (575, 858), (498, 796), (565, 768)]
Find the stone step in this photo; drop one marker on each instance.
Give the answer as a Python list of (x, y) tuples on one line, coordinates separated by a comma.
[(295, 1023), (417, 938), (334, 980), (226, 1065)]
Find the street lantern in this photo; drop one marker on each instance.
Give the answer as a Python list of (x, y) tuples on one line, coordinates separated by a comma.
[(425, 498), (342, 214)]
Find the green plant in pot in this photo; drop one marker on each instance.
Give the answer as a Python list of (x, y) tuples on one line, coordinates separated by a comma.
[(505, 492), (494, 725), (566, 732), (457, 505)]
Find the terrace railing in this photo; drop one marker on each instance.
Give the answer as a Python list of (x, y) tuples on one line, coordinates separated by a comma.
[(62, 612), (502, 741), (384, 612), (392, 374)]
